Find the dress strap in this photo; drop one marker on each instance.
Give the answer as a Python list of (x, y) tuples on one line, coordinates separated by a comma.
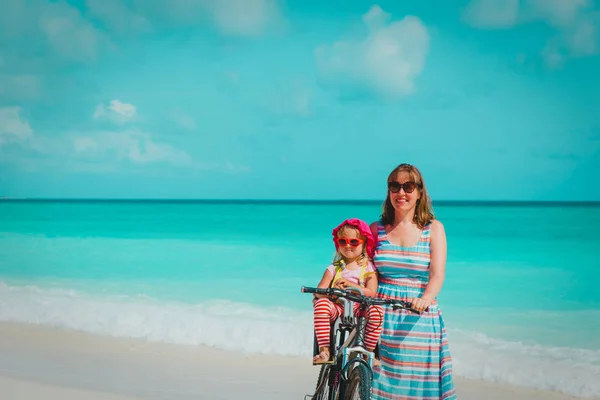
[(426, 234), (427, 230), (380, 231)]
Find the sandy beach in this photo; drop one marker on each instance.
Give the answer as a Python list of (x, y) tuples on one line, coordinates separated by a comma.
[(38, 362)]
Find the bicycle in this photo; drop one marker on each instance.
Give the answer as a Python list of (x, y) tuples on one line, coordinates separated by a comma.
[(350, 376)]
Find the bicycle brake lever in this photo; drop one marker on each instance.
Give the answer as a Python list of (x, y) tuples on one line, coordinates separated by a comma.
[(403, 305)]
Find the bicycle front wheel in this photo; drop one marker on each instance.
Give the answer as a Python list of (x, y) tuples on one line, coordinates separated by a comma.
[(325, 389), (359, 384)]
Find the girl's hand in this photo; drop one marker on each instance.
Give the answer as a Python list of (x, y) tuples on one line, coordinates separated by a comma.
[(343, 284), (420, 304)]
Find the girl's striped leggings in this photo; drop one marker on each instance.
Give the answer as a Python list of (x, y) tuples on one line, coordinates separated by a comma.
[(326, 311)]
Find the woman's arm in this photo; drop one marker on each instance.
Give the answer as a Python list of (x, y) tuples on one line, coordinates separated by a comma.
[(437, 267)]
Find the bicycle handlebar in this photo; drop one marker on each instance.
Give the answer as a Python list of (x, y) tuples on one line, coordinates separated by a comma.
[(359, 298)]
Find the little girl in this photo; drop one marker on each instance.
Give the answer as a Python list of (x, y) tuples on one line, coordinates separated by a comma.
[(351, 267)]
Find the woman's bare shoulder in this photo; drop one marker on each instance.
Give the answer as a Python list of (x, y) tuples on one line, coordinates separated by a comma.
[(437, 228)]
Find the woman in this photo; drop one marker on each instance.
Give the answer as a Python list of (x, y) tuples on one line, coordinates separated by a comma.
[(410, 258)]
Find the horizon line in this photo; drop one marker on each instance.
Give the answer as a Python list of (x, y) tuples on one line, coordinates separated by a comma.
[(284, 201)]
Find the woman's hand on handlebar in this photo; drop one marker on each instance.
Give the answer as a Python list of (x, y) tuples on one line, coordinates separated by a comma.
[(420, 304)]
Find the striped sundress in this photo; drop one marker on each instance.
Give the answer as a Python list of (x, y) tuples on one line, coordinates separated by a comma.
[(415, 359)]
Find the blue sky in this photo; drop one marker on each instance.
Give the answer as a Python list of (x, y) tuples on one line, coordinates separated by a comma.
[(491, 99)]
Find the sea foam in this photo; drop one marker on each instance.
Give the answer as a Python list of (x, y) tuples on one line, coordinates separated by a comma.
[(250, 329)]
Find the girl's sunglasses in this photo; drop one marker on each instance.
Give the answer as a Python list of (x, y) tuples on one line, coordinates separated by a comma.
[(408, 187), (352, 242)]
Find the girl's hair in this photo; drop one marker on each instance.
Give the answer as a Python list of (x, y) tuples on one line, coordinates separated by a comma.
[(424, 210), (363, 259)]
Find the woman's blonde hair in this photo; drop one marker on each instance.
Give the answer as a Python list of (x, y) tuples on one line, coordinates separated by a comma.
[(363, 259), (424, 210)]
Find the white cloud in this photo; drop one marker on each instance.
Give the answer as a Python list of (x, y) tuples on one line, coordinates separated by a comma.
[(116, 111), (60, 24), (135, 146), (302, 101), (291, 98), (559, 13), (575, 41), (118, 16), (12, 126), (507, 13), (230, 17), (552, 55), (236, 168), (37, 37), (232, 76), (492, 13), (101, 151), (582, 40), (84, 143), (71, 35), (183, 120), (579, 41), (97, 148), (98, 151), (577, 26), (95, 151), (244, 17), (386, 61), (19, 86)]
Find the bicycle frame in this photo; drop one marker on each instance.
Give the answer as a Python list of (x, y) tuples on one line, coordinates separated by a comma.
[(355, 342)]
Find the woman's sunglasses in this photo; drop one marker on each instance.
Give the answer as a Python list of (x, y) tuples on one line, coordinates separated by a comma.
[(408, 187), (352, 242)]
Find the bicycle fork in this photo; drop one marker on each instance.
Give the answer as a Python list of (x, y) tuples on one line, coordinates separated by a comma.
[(359, 333)]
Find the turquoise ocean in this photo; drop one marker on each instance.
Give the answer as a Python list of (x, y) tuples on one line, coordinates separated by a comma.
[(521, 299)]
